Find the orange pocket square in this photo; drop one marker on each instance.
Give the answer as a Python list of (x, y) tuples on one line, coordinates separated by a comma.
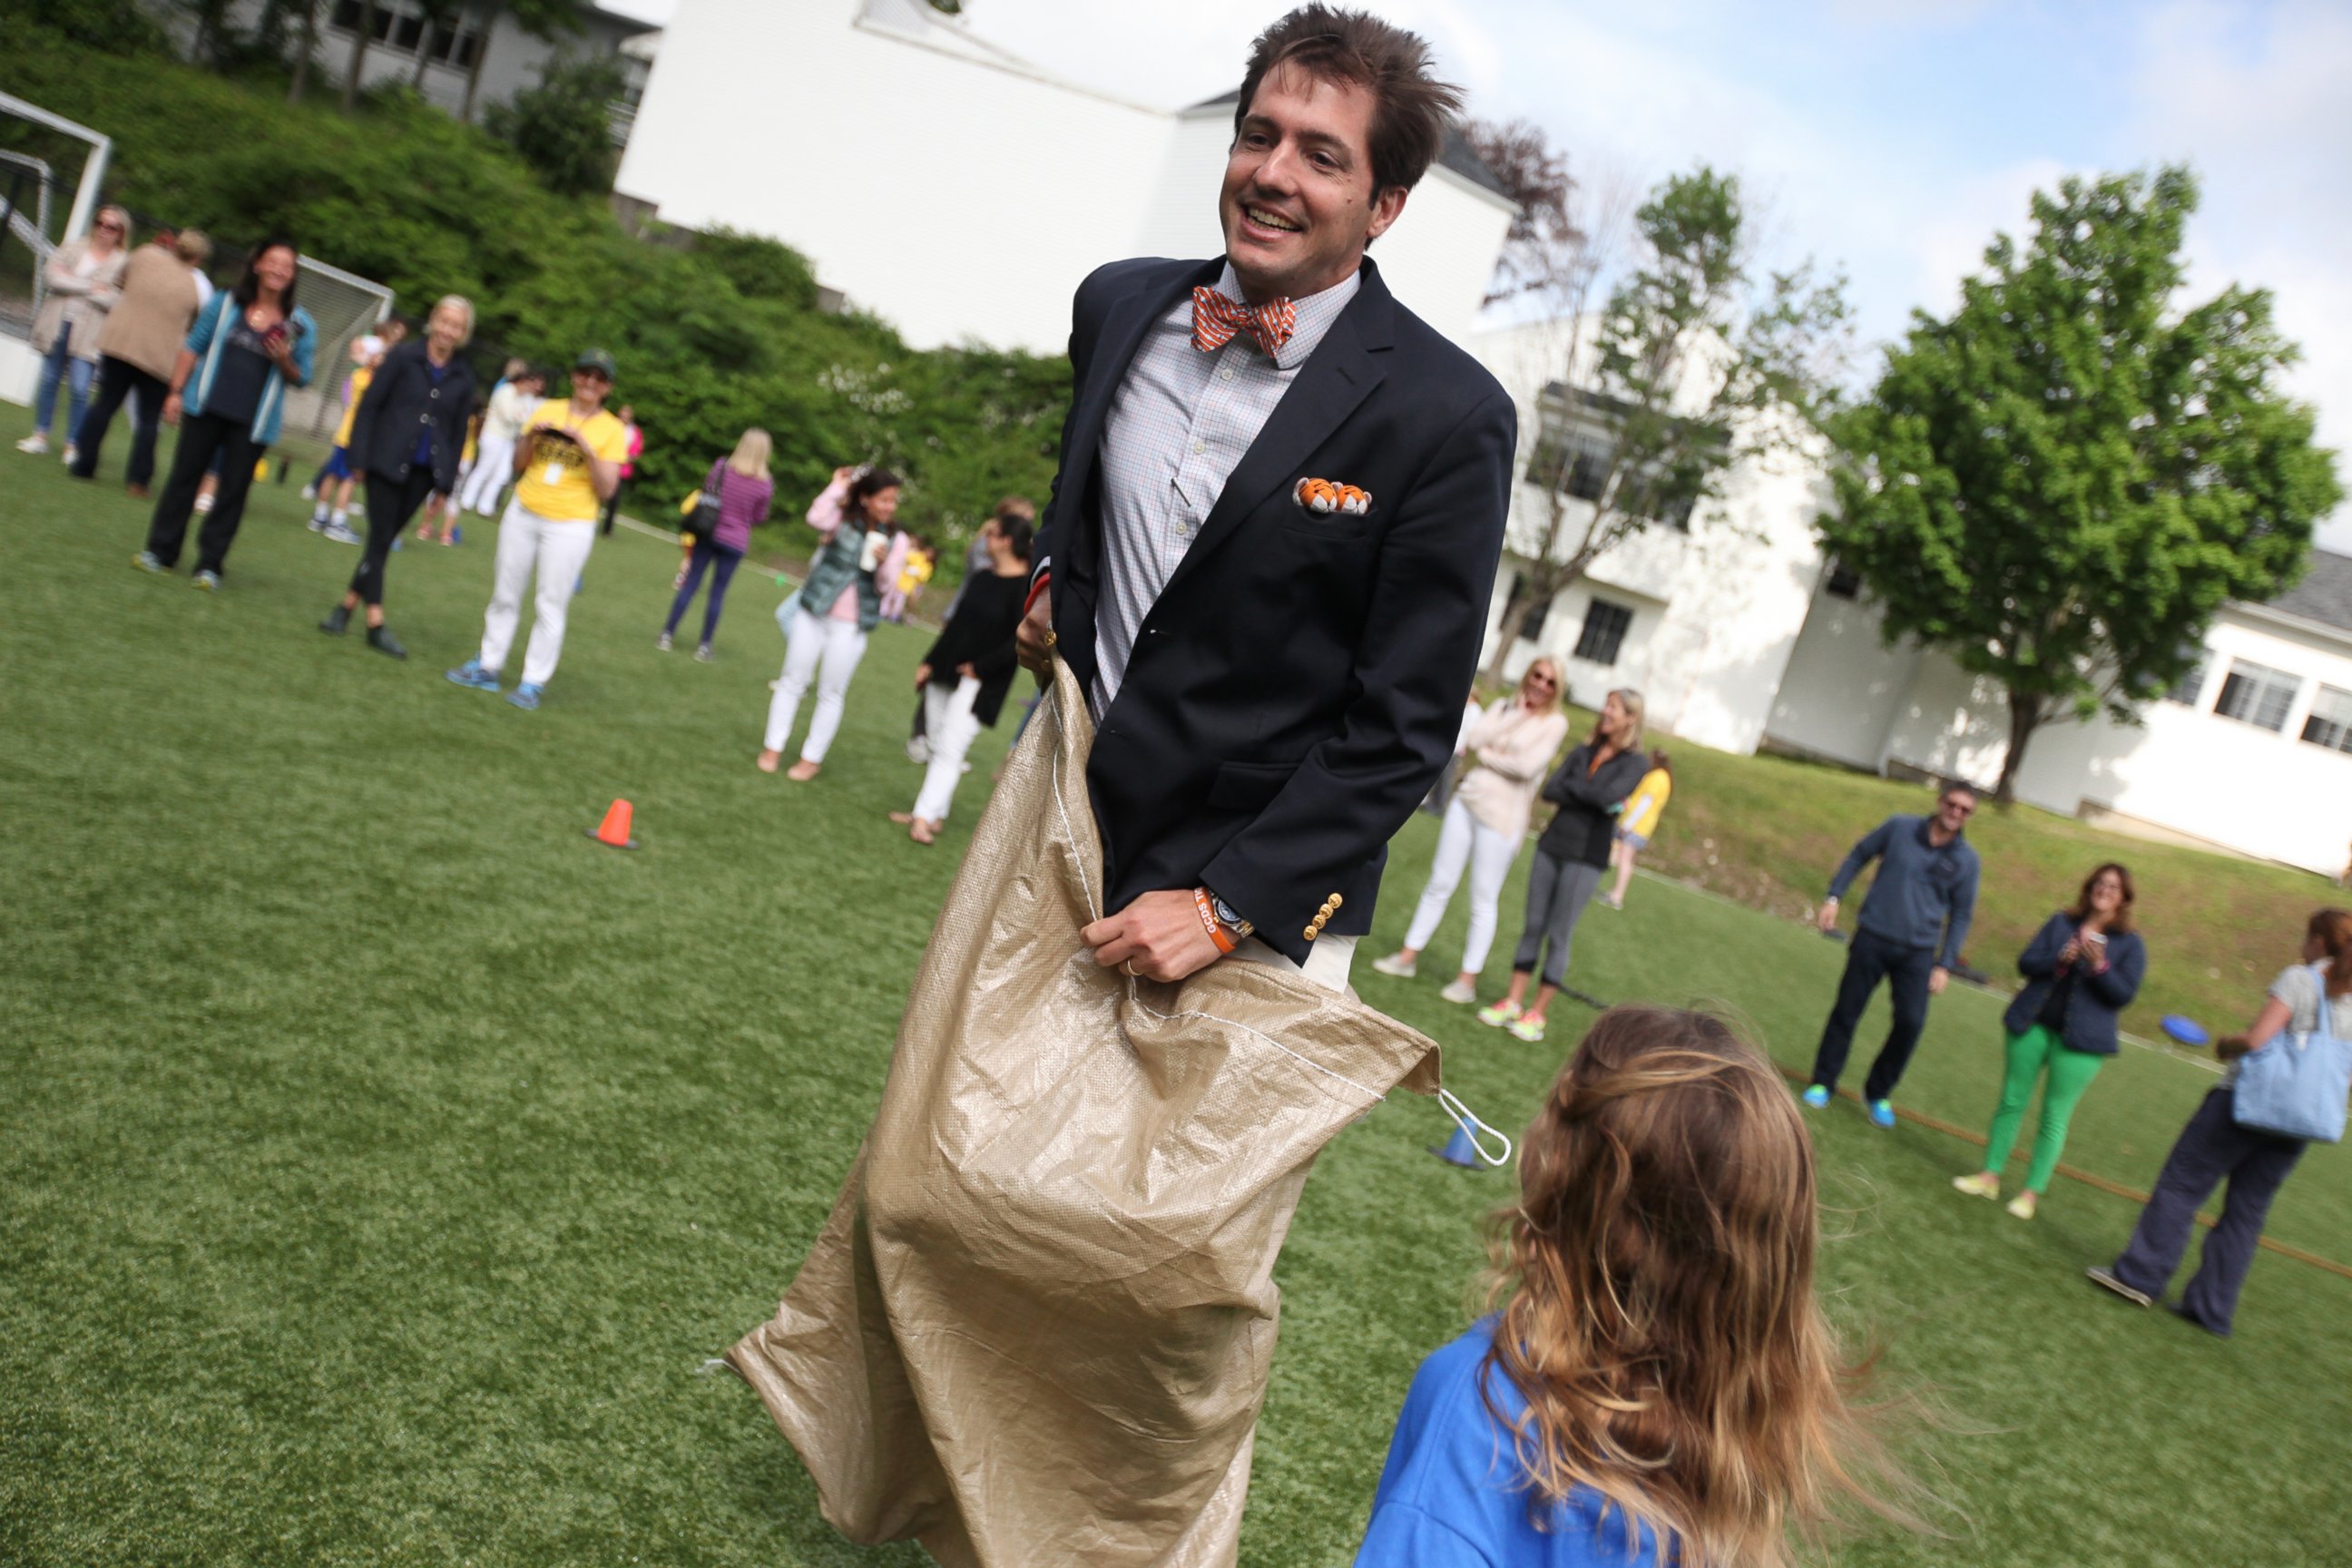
[(1324, 497)]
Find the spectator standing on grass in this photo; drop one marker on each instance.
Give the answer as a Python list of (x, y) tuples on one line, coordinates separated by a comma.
[(331, 489), (1503, 758), (827, 623), (1590, 789), (1639, 822), (2213, 1148), (136, 350), (1913, 927), (406, 437), (1659, 1385), (509, 407), (566, 463), (248, 349), (83, 279), (964, 676), (636, 446), (977, 562), (744, 491), (2082, 970)]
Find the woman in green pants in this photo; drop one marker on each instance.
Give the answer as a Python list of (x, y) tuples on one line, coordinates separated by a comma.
[(2081, 970)]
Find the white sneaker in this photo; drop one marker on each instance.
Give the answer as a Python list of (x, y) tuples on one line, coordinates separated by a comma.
[(918, 749), (342, 533), (34, 445), (71, 452), (1456, 990), (1396, 963), (204, 505), (310, 492)]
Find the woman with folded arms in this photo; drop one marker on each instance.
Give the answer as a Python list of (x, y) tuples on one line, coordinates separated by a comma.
[(2082, 970), (1508, 749)]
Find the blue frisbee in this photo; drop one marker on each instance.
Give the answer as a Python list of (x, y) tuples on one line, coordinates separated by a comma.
[(2185, 1031)]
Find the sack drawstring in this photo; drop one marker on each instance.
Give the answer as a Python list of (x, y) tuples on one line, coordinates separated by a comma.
[(1468, 1120)]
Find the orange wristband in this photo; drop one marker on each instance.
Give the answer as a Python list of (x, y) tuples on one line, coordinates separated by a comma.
[(1209, 918)]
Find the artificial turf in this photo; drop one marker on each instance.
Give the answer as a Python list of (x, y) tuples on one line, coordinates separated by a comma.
[(381, 1158)]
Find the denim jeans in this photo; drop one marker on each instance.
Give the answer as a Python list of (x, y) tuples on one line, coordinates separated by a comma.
[(60, 364)]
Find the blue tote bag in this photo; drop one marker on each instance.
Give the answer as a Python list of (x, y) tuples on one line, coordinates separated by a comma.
[(2296, 1086)]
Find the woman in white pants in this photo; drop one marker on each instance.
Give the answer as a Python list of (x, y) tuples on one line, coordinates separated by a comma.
[(1507, 753), (965, 677), (827, 623)]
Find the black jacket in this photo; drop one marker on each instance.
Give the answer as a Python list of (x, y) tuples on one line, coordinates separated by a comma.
[(1298, 685), (400, 397), (2095, 999), (1582, 827), (979, 634)]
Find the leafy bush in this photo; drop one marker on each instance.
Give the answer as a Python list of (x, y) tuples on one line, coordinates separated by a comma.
[(562, 127), (712, 334)]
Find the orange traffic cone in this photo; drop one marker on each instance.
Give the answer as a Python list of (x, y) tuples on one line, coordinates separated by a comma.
[(615, 832)]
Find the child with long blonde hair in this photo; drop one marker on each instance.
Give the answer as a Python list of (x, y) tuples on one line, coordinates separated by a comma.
[(1659, 1384)]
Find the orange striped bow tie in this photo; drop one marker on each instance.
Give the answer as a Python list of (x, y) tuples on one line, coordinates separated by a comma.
[(1216, 318)]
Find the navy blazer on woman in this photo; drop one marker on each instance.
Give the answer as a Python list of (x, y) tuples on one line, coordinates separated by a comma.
[(1298, 685), (403, 401), (2097, 997)]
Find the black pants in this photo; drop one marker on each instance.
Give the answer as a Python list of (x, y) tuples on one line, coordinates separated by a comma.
[(203, 437), (119, 379), (391, 503), (1906, 970), (613, 506)]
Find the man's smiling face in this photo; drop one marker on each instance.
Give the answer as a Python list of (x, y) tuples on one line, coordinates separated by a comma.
[(1298, 205)]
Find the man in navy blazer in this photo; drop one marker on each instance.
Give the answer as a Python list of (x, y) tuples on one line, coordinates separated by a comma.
[(1275, 531)]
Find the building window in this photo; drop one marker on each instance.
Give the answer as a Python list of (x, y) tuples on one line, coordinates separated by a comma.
[(2330, 724), (2256, 694), (1605, 631), (1574, 461), (1845, 582), (1531, 621)]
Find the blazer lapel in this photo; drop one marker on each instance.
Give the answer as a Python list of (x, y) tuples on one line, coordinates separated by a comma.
[(1122, 335), (1331, 386)]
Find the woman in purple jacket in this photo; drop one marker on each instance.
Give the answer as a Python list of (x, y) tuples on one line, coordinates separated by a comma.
[(744, 490)]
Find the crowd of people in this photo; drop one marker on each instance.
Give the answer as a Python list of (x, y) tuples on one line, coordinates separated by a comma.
[(1657, 1382)]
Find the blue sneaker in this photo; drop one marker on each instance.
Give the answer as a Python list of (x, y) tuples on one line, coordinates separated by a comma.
[(472, 674), (456, 535), (1882, 1113), (1816, 1097), (525, 696)]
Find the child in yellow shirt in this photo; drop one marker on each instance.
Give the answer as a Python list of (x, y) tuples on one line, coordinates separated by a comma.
[(1638, 822)]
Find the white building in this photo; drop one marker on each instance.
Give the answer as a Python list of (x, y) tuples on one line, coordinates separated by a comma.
[(1742, 637), (961, 193)]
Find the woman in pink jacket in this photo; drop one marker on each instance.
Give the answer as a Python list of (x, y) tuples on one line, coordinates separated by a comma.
[(1505, 755)]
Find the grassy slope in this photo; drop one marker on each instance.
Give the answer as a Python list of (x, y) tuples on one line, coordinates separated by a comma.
[(381, 1158)]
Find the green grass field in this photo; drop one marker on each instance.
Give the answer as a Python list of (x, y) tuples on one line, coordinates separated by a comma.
[(381, 1158)]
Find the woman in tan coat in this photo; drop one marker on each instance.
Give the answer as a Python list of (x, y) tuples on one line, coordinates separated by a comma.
[(81, 278), (136, 350)]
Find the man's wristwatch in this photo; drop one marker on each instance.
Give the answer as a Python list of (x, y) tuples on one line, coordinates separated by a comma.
[(1230, 918)]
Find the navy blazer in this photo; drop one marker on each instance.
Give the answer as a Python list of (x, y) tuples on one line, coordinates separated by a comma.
[(1298, 686), (402, 402), (2091, 1010)]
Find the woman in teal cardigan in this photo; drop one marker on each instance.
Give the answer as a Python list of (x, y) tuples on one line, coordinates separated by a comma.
[(2082, 969), (248, 349), (827, 623)]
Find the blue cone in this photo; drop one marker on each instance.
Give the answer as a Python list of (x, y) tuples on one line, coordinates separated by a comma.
[(1460, 1150)]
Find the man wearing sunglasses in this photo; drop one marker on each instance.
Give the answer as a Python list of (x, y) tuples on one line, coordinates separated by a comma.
[(1910, 933)]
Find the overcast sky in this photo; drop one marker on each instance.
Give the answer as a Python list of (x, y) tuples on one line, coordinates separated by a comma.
[(1888, 137)]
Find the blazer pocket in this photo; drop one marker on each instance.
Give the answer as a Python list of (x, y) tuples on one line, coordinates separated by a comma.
[(1247, 786), (1335, 529)]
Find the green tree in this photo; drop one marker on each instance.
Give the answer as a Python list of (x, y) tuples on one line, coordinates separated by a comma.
[(2059, 485), (1693, 367), (563, 127)]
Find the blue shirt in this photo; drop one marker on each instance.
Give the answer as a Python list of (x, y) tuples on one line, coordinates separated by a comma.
[(1452, 1495), (1924, 894)]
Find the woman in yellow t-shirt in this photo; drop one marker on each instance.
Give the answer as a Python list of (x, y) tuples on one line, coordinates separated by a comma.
[(566, 462), (1639, 821)]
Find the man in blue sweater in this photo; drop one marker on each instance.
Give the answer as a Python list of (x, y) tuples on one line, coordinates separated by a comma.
[(1912, 927)]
